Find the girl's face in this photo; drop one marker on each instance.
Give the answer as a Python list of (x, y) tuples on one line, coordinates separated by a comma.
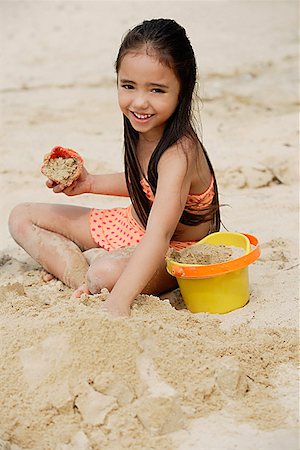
[(148, 93)]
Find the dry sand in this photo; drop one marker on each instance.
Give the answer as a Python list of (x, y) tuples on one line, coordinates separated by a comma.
[(72, 378)]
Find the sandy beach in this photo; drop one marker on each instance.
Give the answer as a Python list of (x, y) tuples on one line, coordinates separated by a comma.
[(165, 379)]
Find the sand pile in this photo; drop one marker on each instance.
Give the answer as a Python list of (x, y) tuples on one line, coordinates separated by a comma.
[(76, 379), (206, 254)]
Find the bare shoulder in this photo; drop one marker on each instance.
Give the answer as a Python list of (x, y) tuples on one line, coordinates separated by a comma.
[(186, 163), (182, 154)]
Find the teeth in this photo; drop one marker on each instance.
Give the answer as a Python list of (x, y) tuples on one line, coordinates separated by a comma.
[(142, 116)]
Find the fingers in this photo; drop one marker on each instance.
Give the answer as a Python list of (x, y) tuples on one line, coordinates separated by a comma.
[(58, 188), (50, 183), (55, 187)]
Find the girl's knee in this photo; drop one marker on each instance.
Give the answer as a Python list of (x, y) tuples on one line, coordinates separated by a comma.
[(19, 219), (104, 274)]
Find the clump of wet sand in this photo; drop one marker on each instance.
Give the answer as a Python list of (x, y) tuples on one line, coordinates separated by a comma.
[(61, 169)]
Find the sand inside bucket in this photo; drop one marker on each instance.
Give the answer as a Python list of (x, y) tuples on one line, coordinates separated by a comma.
[(206, 254), (61, 169)]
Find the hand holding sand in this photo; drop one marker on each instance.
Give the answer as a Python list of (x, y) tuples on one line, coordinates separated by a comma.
[(65, 171)]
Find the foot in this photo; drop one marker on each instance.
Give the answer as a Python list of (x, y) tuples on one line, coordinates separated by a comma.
[(93, 253), (83, 289), (46, 276)]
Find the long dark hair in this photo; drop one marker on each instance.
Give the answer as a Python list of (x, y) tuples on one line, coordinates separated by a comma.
[(172, 47)]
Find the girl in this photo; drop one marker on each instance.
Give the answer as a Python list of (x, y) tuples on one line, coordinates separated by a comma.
[(168, 177)]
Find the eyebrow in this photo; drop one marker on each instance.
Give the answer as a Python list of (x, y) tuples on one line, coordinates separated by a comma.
[(164, 86)]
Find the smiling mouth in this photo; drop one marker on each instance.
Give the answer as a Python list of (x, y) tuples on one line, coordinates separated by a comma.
[(141, 117)]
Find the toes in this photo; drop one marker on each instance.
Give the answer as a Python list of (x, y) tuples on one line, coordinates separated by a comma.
[(79, 291), (46, 276)]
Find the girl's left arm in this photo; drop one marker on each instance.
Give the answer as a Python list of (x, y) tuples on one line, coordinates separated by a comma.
[(174, 181)]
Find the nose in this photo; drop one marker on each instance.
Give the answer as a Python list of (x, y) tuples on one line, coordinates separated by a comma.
[(140, 101)]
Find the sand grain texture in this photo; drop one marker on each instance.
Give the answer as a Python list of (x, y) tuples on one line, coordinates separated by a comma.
[(206, 254), (61, 170)]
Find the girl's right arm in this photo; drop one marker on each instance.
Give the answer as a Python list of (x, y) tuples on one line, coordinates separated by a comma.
[(109, 184), (106, 184)]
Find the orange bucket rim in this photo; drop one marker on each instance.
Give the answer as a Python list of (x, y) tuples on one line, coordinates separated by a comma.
[(181, 270)]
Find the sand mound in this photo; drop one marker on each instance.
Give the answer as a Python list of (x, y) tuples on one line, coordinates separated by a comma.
[(74, 378), (268, 173)]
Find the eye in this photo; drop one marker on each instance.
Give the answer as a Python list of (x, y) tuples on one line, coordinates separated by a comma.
[(158, 91), (127, 86)]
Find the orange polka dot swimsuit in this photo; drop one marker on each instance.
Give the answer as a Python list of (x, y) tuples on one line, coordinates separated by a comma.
[(116, 228)]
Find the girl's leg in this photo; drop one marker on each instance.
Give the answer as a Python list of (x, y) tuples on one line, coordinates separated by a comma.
[(90, 256), (105, 270), (55, 236)]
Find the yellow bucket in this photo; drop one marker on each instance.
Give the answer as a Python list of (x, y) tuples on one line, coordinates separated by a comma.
[(217, 288)]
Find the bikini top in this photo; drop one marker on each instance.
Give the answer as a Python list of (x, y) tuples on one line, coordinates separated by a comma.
[(194, 203)]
